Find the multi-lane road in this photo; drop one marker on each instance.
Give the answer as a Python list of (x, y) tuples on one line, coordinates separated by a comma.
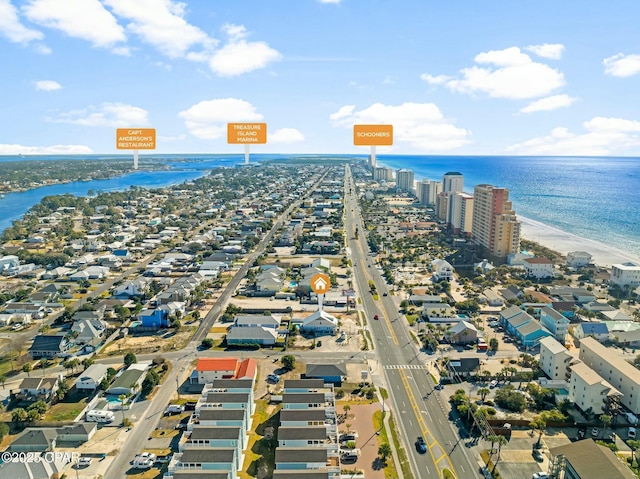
[(418, 408)]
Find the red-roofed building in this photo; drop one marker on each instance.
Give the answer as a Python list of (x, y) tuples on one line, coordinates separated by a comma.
[(538, 267), (209, 369), (247, 369)]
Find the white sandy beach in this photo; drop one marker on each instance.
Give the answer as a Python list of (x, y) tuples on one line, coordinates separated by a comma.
[(562, 242)]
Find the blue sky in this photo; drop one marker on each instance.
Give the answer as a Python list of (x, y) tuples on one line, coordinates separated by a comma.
[(459, 77)]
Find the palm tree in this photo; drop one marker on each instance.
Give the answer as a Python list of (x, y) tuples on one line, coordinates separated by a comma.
[(605, 419), (634, 445), (483, 393), (501, 440), (538, 424)]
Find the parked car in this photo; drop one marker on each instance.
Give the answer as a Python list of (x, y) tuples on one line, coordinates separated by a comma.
[(493, 384), (348, 459), (595, 432), (540, 475), (537, 455), (273, 378), (631, 433), (318, 344), (385, 294), (421, 445), (84, 461), (376, 317)]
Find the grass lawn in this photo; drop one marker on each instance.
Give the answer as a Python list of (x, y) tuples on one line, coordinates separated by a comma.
[(164, 433), (66, 410), (219, 329), (260, 451), (411, 318)]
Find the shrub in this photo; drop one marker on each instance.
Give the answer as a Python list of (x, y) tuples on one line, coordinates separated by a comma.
[(207, 343)]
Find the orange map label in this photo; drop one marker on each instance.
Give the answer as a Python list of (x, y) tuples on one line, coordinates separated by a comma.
[(320, 283), (373, 135), (136, 138), (247, 133)]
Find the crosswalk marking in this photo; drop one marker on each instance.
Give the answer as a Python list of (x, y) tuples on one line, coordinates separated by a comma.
[(403, 366)]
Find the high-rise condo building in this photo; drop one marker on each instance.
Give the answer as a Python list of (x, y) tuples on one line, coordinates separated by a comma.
[(381, 173), (461, 212), (495, 225), (452, 181), (404, 180), (427, 191)]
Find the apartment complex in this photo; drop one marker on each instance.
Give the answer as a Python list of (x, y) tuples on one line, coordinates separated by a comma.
[(615, 370), (495, 225), (382, 173), (461, 212), (427, 191)]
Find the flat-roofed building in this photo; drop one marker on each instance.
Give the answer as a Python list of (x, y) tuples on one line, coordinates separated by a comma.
[(625, 275), (554, 359)]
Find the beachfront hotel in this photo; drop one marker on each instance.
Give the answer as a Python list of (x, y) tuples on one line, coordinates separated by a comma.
[(427, 191), (495, 225), (461, 212)]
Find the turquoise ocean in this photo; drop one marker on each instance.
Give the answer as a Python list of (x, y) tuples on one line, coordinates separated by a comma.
[(593, 197)]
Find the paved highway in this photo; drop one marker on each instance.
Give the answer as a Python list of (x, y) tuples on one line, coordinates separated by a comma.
[(417, 409)]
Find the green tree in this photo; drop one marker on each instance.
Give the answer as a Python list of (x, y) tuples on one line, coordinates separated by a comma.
[(538, 424), (33, 415), (86, 362), (605, 419), (19, 416), (207, 343), (39, 406), (634, 445), (484, 392), (493, 344), (27, 369), (289, 362), (501, 441), (384, 451), (129, 359)]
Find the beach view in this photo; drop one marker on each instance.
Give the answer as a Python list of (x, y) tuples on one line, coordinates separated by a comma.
[(322, 239)]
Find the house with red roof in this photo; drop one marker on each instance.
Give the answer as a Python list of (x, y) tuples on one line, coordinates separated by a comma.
[(210, 369)]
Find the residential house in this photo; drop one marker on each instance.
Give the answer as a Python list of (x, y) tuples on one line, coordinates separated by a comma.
[(264, 321), (215, 436), (442, 269), (587, 460), (35, 389), (554, 359), (614, 369), (511, 292), (625, 275), (523, 326), (78, 433), (314, 436), (319, 323), (462, 332), (90, 272), (90, 378), (205, 459), (223, 418), (135, 288), (209, 369), (48, 346), (303, 418), (590, 391), (329, 373), (538, 267), (251, 335), (89, 331), (594, 329), (154, 318), (305, 458), (578, 259), (130, 380), (555, 322), (35, 439), (493, 298)]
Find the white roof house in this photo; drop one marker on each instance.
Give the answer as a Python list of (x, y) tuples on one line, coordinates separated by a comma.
[(319, 322)]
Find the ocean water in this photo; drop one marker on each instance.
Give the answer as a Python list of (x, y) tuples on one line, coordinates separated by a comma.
[(593, 197)]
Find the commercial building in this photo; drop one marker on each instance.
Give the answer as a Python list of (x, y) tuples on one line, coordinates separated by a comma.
[(614, 369), (495, 225)]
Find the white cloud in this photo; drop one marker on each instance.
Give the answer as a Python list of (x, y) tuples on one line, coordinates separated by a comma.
[(552, 51), (240, 56), (622, 65), (208, 119), (603, 136), (330, 1), (161, 23), (85, 19), (509, 74), (286, 135), (116, 115), (389, 80), (47, 85), (549, 103), (421, 125), (435, 80), (167, 139), (8, 149), (12, 28)]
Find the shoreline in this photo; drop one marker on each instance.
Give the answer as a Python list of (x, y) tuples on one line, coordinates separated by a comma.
[(555, 239)]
